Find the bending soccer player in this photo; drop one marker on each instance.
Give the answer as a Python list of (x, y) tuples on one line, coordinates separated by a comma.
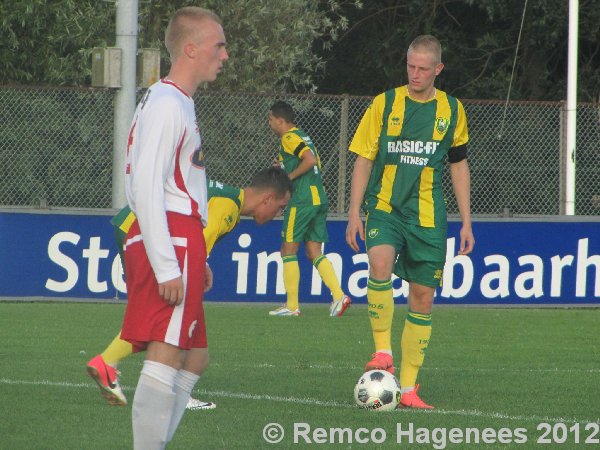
[(305, 220), (402, 144), (265, 197)]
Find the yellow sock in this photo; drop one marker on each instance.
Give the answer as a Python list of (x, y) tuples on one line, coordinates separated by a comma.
[(328, 276), (381, 312), (415, 339), (291, 280), (116, 351)]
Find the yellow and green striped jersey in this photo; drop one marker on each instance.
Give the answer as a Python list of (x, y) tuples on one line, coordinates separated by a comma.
[(408, 141), (307, 189), (224, 206)]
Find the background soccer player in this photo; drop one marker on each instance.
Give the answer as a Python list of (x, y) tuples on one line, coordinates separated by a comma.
[(305, 218), (265, 197), (401, 144)]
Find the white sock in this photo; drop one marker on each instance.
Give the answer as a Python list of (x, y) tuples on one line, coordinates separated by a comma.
[(153, 406), (184, 383), (407, 389)]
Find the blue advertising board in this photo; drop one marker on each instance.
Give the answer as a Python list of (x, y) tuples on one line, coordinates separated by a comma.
[(524, 262)]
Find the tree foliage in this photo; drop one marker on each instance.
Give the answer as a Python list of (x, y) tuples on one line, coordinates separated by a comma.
[(49, 42), (270, 43), (341, 46), (479, 38)]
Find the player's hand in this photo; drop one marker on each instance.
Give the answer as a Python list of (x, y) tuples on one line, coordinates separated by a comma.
[(467, 240), (355, 225), (172, 291), (208, 279), (277, 163)]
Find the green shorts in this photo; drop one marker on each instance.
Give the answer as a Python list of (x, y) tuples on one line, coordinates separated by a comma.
[(421, 251), (305, 223)]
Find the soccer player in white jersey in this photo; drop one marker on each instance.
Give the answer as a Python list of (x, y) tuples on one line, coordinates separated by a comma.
[(164, 250)]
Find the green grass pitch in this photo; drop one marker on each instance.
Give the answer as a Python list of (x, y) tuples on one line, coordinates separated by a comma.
[(485, 368)]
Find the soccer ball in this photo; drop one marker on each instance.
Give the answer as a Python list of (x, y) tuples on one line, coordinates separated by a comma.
[(377, 390)]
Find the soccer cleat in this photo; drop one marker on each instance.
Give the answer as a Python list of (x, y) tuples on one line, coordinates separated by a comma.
[(194, 404), (284, 311), (336, 309), (381, 361), (412, 400), (106, 378)]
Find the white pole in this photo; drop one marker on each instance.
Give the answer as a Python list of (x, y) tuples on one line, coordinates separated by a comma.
[(126, 39), (571, 108)]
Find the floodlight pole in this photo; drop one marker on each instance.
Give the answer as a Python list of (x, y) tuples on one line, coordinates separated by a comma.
[(124, 106), (571, 131)]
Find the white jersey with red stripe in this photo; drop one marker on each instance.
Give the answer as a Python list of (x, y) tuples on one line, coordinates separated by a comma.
[(165, 170)]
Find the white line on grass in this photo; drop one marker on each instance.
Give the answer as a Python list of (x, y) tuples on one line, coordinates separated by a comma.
[(304, 365), (314, 402), (432, 369), (511, 369), (46, 383)]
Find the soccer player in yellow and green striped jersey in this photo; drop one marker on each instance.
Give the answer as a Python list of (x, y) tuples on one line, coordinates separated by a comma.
[(402, 144), (265, 197), (305, 219)]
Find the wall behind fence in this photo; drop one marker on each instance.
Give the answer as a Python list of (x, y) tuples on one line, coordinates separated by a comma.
[(523, 262), (56, 148)]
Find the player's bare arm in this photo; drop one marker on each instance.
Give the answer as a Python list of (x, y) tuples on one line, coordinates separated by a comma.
[(308, 161), (461, 182), (360, 179), (208, 281)]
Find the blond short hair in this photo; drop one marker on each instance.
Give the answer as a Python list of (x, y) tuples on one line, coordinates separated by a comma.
[(427, 43), (180, 27)]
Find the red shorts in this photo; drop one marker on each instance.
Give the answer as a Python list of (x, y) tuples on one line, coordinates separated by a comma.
[(147, 316)]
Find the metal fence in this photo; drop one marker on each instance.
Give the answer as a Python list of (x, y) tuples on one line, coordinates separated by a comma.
[(56, 148)]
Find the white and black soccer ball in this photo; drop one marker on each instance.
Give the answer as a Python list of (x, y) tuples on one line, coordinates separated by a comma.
[(377, 390)]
